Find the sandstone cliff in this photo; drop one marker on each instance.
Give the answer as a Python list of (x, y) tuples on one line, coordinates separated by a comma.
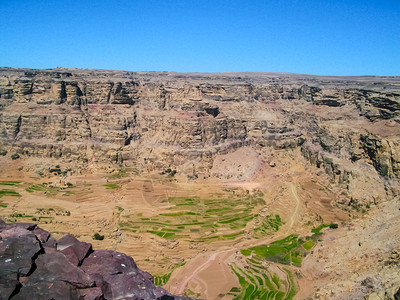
[(347, 126)]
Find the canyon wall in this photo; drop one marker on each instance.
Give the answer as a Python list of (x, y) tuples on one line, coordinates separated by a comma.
[(347, 126)]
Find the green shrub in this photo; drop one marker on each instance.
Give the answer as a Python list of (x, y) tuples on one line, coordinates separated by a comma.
[(98, 236), (56, 170), (333, 226), (3, 152), (15, 156)]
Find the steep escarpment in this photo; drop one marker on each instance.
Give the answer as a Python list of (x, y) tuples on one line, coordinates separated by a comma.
[(34, 265), (347, 126)]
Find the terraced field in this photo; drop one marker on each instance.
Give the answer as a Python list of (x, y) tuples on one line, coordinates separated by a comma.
[(205, 220), (7, 191), (257, 281), (288, 251)]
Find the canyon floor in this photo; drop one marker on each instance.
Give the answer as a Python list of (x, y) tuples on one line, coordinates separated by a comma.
[(194, 236)]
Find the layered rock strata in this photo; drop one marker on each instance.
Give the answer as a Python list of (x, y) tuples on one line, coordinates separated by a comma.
[(347, 126)]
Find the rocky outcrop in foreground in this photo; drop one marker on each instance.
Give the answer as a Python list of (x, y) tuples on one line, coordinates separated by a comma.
[(34, 265)]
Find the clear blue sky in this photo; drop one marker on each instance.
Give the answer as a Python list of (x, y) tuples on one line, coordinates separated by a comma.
[(326, 37)]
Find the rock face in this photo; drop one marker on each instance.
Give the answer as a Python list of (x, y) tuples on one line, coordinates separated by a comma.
[(33, 265), (347, 126)]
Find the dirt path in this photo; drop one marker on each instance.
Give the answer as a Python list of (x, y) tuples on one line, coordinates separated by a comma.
[(199, 269), (180, 290), (294, 214)]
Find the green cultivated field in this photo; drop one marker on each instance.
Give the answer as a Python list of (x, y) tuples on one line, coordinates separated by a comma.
[(288, 251), (7, 192), (205, 220), (319, 228), (257, 282), (111, 186), (10, 183), (308, 245)]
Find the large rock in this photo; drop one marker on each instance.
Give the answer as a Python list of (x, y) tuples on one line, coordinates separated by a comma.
[(73, 249), (33, 265), (17, 256), (119, 277)]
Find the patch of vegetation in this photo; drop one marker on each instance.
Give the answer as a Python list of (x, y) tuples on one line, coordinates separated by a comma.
[(3, 205), (46, 220), (258, 282), (3, 152), (15, 156), (11, 193), (268, 225), (68, 193), (124, 172), (169, 172), (98, 236), (10, 183), (49, 190), (182, 213), (35, 187), (286, 251), (189, 293), (308, 245), (292, 284), (322, 226), (111, 186), (163, 279), (47, 213), (20, 215), (163, 234), (204, 220), (56, 170)]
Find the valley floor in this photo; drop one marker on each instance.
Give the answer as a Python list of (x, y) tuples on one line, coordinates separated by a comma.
[(264, 237)]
